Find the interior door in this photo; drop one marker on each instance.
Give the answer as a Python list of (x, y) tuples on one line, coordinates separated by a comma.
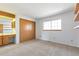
[(27, 30)]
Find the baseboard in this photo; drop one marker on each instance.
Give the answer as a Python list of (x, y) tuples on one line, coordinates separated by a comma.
[(73, 45)]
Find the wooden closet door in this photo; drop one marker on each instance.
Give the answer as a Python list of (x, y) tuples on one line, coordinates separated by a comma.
[(27, 30)]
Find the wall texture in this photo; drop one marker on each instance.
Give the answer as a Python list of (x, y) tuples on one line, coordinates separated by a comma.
[(67, 36)]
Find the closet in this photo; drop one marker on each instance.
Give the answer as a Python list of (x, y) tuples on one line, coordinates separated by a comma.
[(27, 30)]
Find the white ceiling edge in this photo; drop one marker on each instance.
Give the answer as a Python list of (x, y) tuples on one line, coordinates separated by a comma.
[(57, 13), (34, 18), (33, 13)]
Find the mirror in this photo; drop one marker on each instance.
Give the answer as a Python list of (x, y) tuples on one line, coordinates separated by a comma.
[(7, 25)]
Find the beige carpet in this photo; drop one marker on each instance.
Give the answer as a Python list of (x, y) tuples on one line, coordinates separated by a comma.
[(38, 48)]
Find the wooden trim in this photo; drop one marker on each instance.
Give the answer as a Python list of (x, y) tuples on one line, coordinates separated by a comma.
[(7, 14), (27, 20), (76, 7), (13, 24), (77, 16)]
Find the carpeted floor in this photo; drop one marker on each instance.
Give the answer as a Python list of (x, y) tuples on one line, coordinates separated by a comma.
[(38, 48)]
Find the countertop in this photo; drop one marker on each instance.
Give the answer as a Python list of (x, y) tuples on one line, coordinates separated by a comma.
[(7, 34)]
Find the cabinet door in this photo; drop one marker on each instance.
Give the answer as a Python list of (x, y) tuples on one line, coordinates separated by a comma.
[(0, 40), (6, 40), (1, 28)]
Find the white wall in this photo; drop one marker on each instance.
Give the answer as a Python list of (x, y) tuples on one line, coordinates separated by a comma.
[(17, 41), (67, 36)]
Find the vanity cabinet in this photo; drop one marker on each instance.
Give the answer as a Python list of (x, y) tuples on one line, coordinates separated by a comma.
[(0, 40), (6, 39)]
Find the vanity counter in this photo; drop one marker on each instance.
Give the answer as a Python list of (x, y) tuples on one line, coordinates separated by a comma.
[(3, 34)]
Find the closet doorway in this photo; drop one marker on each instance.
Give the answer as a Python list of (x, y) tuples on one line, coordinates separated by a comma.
[(27, 30)]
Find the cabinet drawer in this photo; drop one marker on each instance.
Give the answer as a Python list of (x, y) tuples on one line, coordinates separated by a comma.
[(0, 41)]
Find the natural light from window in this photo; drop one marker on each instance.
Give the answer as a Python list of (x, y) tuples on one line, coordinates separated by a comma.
[(52, 25)]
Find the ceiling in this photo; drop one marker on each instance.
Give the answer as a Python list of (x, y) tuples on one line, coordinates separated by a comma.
[(35, 9)]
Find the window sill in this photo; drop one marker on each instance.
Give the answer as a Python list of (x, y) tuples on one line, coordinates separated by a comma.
[(52, 30)]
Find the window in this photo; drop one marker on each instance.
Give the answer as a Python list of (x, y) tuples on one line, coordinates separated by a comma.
[(56, 25), (47, 25), (52, 25)]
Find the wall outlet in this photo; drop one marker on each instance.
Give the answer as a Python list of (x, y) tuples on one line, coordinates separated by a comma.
[(71, 40)]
